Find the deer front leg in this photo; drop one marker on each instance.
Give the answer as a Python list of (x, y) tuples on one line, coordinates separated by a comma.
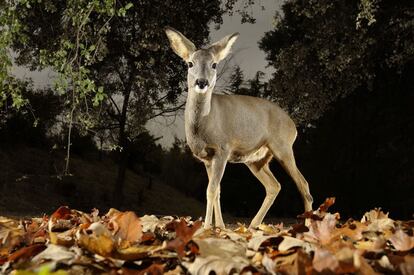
[(218, 218), (215, 170)]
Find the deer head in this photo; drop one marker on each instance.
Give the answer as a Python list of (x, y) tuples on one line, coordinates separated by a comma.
[(202, 63)]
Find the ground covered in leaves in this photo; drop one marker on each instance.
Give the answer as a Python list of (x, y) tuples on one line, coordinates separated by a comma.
[(73, 242)]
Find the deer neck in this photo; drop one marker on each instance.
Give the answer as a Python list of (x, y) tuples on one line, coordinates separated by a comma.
[(197, 112), (198, 105)]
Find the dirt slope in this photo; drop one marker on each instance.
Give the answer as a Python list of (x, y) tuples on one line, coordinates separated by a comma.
[(29, 186)]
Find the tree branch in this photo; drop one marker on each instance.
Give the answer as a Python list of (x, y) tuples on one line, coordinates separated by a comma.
[(167, 112)]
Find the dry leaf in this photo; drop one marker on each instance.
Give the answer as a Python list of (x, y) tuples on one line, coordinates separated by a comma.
[(216, 264), (109, 244), (269, 264), (26, 252), (283, 260), (302, 264), (268, 229), (375, 245), (98, 228), (55, 253), (377, 221), (136, 252), (402, 241), (258, 239), (62, 213), (102, 244), (66, 238), (324, 259), (363, 266), (289, 243), (218, 255), (153, 269), (184, 234), (61, 219), (322, 231), (220, 247), (129, 227), (177, 271), (384, 262), (149, 223), (373, 215), (407, 267), (11, 235), (230, 234), (241, 229), (320, 212), (326, 204)]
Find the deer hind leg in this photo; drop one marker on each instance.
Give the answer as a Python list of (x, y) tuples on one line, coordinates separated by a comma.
[(284, 154), (215, 171), (264, 175)]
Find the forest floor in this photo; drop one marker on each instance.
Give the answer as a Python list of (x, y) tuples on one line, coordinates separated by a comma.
[(74, 242), (38, 236)]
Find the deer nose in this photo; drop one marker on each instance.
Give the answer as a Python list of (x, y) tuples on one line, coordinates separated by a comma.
[(201, 83)]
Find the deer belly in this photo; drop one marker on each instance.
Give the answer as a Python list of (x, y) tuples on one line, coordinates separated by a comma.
[(241, 157)]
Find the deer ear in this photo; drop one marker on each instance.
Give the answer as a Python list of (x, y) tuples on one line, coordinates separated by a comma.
[(181, 45), (222, 48)]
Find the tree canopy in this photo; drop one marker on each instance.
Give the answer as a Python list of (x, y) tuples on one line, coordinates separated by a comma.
[(325, 50)]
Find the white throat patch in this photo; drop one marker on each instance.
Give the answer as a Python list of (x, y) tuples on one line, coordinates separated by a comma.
[(201, 91)]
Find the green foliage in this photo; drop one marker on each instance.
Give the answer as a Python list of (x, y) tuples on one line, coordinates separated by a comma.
[(10, 29), (68, 55), (44, 270), (325, 50)]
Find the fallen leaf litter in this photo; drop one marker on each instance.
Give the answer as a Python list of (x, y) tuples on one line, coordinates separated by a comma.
[(74, 242)]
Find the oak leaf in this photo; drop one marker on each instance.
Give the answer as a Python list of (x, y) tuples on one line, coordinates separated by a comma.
[(216, 265), (61, 219), (223, 248), (258, 239), (136, 252), (322, 231), (407, 267), (401, 241), (326, 204), (184, 234), (26, 252), (55, 253), (128, 227), (378, 221), (324, 259), (102, 244), (290, 242)]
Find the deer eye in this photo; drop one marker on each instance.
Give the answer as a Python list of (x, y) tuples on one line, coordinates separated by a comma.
[(190, 64), (214, 66)]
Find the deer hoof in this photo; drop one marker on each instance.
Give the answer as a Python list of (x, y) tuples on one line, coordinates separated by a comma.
[(220, 225)]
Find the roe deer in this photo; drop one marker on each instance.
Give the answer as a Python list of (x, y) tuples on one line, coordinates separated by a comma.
[(233, 128)]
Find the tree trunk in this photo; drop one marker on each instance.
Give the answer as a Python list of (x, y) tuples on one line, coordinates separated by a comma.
[(118, 194)]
